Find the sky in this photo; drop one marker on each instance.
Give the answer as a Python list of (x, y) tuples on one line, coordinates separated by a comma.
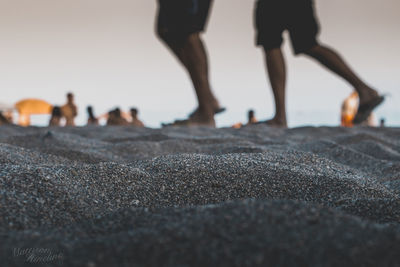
[(106, 52)]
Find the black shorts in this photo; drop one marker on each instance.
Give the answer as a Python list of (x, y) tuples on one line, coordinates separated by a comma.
[(273, 17), (182, 17)]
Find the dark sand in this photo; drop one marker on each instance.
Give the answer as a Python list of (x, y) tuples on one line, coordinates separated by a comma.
[(121, 196)]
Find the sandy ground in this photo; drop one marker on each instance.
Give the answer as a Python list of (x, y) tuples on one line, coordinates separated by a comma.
[(121, 196)]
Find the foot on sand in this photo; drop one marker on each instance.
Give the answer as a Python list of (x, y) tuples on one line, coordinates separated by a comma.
[(217, 110), (196, 120), (189, 123), (275, 122), (366, 107)]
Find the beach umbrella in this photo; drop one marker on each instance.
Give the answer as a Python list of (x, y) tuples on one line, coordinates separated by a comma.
[(28, 107), (33, 106)]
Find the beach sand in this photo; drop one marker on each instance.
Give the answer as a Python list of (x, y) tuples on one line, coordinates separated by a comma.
[(122, 196)]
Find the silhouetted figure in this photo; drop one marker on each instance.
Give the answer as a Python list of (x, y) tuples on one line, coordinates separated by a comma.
[(3, 119), (92, 120), (135, 120), (115, 118), (382, 123), (251, 118), (273, 17), (349, 110), (8, 114), (69, 110), (56, 116), (180, 24)]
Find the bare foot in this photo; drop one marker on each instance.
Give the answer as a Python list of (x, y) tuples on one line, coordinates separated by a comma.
[(191, 123), (369, 100), (366, 94), (197, 119), (216, 108), (365, 109)]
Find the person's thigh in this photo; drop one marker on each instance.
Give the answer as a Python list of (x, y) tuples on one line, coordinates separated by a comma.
[(183, 17), (201, 10), (303, 25), (269, 23)]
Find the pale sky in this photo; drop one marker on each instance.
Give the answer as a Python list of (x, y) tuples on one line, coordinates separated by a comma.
[(106, 52)]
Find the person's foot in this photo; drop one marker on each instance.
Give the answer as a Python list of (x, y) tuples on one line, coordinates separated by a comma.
[(198, 119), (365, 109), (366, 94), (216, 108), (216, 112), (275, 122), (189, 123), (369, 99)]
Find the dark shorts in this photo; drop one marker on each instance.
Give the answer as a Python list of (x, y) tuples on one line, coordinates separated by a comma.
[(273, 17), (182, 17)]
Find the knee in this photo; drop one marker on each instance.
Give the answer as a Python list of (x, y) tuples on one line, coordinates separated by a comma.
[(311, 51), (192, 38), (175, 38)]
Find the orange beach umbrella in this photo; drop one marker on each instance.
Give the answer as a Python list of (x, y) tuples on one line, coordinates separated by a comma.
[(31, 106)]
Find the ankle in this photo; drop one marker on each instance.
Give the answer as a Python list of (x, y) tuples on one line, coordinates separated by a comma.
[(366, 93), (206, 112), (281, 118)]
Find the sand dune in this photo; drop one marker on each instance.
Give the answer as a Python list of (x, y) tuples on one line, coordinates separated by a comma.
[(121, 196)]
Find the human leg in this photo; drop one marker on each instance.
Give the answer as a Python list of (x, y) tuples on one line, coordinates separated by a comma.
[(334, 62), (277, 76), (304, 29), (183, 38), (270, 24)]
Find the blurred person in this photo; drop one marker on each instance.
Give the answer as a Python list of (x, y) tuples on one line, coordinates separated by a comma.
[(135, 120), (272, 18), (382, 122), (115, 118), (126, 115), (56, 116), (112, 117), (3, 119), (349, 111), (8, 114), (370, 121), (237, 125), (69, 110), (251, 118), (92, 120), (180, 24)]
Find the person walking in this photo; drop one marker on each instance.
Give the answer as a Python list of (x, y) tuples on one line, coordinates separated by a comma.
[(180, 25), (272, 18)]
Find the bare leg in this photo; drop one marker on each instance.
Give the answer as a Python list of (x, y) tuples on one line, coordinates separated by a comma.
[(197, 65), (192, 54), (335, 63), (277, 75)]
